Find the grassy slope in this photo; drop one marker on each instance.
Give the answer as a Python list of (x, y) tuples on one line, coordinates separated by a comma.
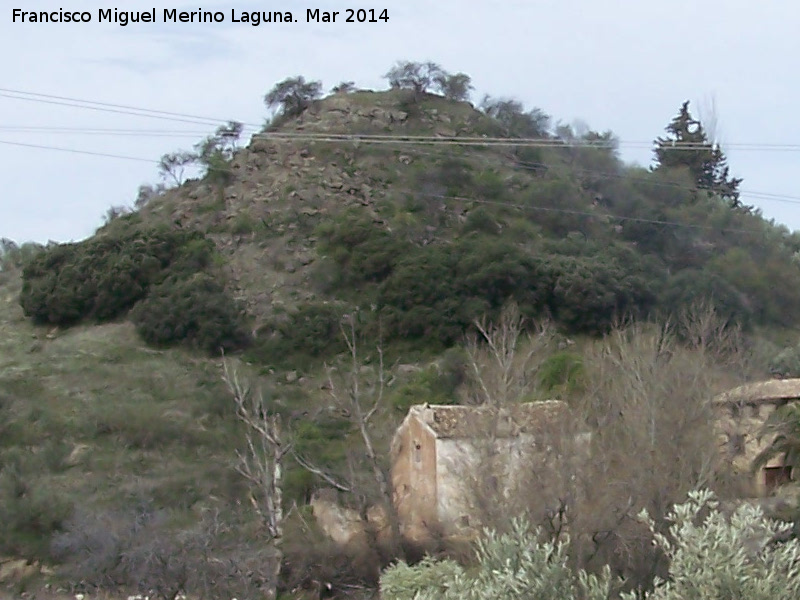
[(100, 419)]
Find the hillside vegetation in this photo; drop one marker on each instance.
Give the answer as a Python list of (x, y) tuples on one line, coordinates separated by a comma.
[(114, 419)]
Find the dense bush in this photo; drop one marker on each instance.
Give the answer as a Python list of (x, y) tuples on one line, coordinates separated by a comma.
[(691, 287), (590, 294), (167, 276), (310, 331), (711, 556), (103, 277), (741, 556), (438, 291), (196, 310), (436, 384), (361, 251), (512, 565), (562, 372)]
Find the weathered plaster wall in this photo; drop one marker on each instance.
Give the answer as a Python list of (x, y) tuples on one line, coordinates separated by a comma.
[(480, 476), (414, 478), (738, 428)]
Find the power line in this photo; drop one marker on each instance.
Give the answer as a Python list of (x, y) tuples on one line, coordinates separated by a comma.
[(110, 105), (98, 130), (373, 138), (542, 166), (111, 110), (106, 133), (75, 151), (480, 141), (767, 196), (446, 197), (490, 141)]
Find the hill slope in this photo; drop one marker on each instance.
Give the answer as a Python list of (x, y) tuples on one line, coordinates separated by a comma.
[(418, 239)]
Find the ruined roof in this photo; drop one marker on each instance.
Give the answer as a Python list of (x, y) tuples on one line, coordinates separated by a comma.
[(762, 392), (482, 421)]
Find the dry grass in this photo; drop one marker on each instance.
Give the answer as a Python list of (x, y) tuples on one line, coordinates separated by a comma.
[(109, 418)]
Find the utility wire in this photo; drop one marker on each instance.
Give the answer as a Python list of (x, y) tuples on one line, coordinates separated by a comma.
[(446, 197), (371, 138), (543, 167), (110, 105), (75, 151), (520, 164), (480, 141), (96, 130), (111, 110)]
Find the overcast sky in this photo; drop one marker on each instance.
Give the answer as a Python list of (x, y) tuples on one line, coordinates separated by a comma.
[(624, 65)]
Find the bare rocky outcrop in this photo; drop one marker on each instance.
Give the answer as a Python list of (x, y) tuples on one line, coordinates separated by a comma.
[(346, 526)]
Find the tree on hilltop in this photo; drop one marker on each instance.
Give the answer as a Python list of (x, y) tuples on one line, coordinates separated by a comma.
[(686, 145), (515, 121), (422, 77), (455, 87), (293, 95)]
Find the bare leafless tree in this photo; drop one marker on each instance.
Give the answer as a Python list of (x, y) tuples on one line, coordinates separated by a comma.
[(648, 406), (362, 399), (358, 392), (640, 436), (261, 464), (511, 465), (503, 360)]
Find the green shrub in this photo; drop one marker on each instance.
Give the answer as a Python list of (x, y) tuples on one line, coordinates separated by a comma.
[(717, 556), (197, 311), (102, 278), (418, 299), (711, 556), (361, 251), (786, 363), (694, 287), (436, 384), (513, 565), (482, 221), (313, 330), (563, 371), (495, 271), (437, 291), (590, 294)]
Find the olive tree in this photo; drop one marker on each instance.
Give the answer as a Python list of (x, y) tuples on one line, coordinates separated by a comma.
[(416, 76), (293, 95), (510, 565), (712, 555)]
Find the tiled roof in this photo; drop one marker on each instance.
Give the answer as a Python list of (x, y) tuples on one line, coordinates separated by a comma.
[(481, 421), (770, 391)]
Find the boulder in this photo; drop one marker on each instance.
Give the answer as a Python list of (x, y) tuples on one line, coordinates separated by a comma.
[(13, 570), (343, 525)]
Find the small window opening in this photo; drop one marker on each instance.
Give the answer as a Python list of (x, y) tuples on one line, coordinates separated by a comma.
[(736, 444), (774, 477)]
